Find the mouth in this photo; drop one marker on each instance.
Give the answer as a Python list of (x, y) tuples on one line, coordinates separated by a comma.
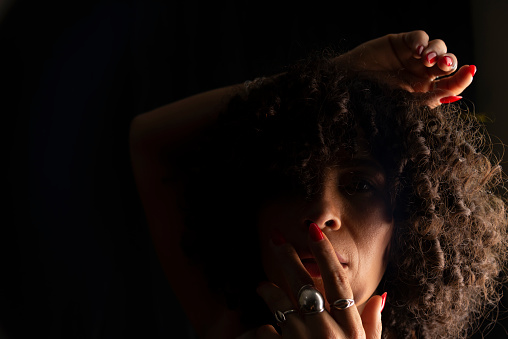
[(311, 265)]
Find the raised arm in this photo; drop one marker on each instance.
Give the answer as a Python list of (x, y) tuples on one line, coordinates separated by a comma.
[(168, 126), (153, 137)]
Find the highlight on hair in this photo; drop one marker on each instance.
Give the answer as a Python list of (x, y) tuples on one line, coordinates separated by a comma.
[(449, 243)]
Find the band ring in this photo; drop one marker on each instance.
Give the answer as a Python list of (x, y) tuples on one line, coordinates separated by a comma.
[(281, 316), (310, 301), (342, 304)]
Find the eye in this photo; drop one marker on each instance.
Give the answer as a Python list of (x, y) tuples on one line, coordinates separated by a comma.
[(357, 185)]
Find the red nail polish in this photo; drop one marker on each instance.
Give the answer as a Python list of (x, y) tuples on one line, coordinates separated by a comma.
[(450, 99), (472, 69), (431, 57), (277, 238), (419, 50), (315, 232), (383, 296), (448, 61)]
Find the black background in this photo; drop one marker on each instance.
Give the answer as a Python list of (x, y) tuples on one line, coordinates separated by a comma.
[(76, 257)]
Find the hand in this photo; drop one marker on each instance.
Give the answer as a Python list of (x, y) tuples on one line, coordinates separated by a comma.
[(412, 62), (332, 323)]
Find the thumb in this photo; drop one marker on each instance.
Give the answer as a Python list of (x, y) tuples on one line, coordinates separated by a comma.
[(371, 316)]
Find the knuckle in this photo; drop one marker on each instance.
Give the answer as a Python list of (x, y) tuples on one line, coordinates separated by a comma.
[(286, 251), (340, 278), (439, 45), (357, 332), (321, 251), (420, 33), (421, 36), (379, 331)]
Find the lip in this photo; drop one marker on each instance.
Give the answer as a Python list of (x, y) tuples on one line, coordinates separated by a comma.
[(310, 264)]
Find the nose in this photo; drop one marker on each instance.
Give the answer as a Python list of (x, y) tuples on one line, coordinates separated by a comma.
[(323, 212)]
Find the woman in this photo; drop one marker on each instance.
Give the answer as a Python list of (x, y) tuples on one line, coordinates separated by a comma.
[(334, 182)]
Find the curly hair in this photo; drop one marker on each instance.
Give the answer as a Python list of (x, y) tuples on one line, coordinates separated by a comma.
[(449, 241)]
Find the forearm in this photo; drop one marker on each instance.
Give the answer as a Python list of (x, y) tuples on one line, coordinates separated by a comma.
[(168, 126), (153, 136)]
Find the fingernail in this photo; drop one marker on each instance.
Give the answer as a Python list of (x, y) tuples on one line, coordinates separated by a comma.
[(419, 50), (450, 99), (448, 61), (472, 69), (277, 238), (431, 57), (315, 232), (383, 296)]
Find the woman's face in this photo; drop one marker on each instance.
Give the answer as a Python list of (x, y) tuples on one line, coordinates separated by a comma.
[(354, 212)]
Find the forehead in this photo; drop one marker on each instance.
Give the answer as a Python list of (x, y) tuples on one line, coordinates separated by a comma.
[(360, 156), (368, 162), (365, 164)]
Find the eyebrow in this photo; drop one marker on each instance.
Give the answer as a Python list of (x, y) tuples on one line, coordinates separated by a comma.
[(367, 166), (363, 163)]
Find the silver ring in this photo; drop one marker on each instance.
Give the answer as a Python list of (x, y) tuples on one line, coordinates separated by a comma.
[(281, 316), (342, 304), (310, 301)]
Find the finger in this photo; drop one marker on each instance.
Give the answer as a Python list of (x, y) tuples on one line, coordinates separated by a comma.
[(297, 276), (267, 332), (434, 49), (294, 272), (416, 41), (407, 47), (277, 300), (335, 281), (458, 82), (447, 90), (447, 63), (371, 317), (416, 46), (444, 65)]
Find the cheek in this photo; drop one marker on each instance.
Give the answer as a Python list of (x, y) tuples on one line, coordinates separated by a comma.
[(372, 219), (372, 228), (373, 236), (376, 244), (373, 250)]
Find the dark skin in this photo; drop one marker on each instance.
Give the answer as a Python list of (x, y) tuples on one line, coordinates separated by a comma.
[(406, 60)]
